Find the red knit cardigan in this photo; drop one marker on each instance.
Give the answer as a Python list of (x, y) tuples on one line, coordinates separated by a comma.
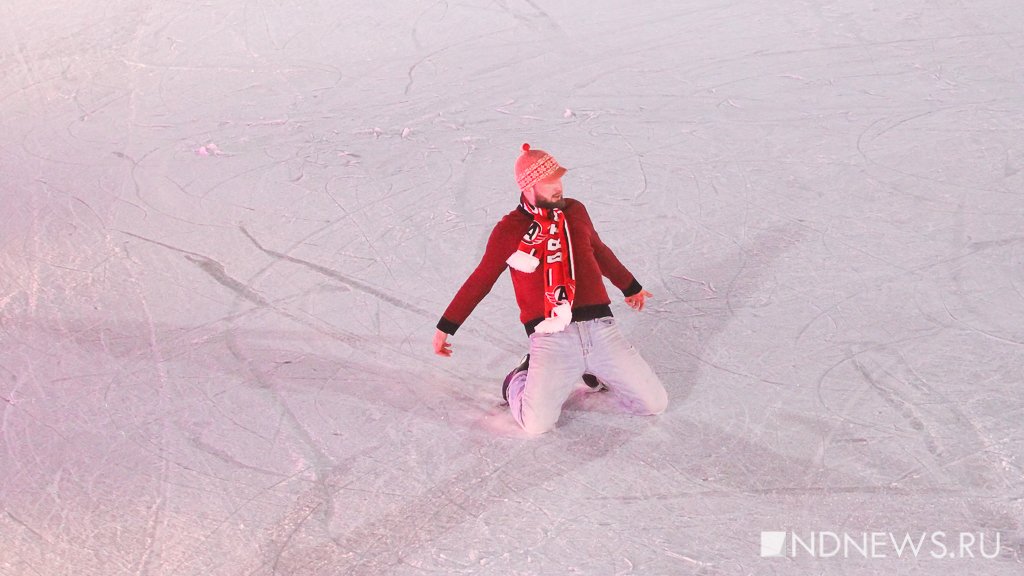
[(592, 258)]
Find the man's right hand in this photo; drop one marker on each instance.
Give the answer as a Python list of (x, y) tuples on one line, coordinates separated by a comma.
[(441, 345)]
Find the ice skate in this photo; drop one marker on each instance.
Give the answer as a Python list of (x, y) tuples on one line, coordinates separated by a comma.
[(523, 365), (593, 383)]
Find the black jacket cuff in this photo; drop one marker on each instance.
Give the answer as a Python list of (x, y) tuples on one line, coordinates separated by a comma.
[(447, 326), (634, 288)]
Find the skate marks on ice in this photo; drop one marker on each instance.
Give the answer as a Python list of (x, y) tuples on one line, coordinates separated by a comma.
[(242, 417), (369, 290), (726, 286), (246, 291), (698, 471), (499, 476), (976, 467)]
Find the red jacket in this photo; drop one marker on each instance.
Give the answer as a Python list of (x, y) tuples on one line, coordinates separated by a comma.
[(591, 257)]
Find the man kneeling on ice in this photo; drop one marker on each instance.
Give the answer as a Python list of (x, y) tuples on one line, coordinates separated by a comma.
[(557, 261)]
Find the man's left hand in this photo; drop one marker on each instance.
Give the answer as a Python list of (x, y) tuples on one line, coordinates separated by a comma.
[(636, 301)]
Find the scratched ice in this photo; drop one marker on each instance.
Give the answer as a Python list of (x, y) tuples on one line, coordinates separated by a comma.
[(229, 228)]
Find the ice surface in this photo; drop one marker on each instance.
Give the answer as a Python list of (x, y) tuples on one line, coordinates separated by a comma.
[(230, 227)]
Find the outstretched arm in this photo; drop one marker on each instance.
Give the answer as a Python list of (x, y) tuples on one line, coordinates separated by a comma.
[(614, 270), (500, 245)]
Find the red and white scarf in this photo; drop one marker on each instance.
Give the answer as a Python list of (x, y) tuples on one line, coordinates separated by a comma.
[(548, 241)]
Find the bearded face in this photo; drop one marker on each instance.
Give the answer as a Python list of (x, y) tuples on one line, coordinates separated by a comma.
[(548, 193)]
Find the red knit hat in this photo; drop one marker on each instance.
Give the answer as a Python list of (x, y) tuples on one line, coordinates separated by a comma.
[(534, 166)]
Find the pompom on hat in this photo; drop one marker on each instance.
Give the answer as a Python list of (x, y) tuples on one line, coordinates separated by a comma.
[(532, 167)]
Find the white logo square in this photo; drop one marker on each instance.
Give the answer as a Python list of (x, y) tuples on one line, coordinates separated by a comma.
[(773, 544)]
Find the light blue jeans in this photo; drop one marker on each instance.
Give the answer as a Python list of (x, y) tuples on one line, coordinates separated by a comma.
[(558, 362)]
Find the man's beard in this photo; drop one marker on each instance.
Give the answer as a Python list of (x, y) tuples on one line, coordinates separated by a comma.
[(549, 204)]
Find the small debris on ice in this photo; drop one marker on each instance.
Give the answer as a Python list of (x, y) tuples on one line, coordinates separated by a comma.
[(208, 150)]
